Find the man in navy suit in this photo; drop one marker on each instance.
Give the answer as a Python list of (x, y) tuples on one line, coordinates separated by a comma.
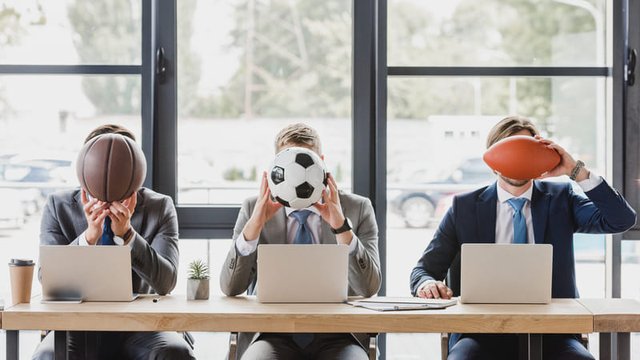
[(549, 213)]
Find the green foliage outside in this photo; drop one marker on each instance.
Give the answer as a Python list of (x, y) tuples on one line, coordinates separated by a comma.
[(294, 59)]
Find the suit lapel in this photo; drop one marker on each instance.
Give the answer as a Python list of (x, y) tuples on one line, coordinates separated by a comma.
[(486, 215), (540, 201), (326, 236), (79, 220), (275, 230), (139, 217)]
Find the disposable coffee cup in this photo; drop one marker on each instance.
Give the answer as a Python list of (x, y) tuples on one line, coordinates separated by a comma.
[(21, 274)]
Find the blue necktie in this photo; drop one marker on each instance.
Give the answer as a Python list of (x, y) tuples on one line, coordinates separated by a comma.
[(519, 222), (303, 235), (107, 233)]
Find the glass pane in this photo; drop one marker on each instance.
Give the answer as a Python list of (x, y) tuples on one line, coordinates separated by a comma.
[(39, 144), (510, 32), (248, 68), (70, 32), (437, 129)]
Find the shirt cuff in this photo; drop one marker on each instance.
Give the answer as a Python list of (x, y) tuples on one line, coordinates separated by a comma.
[(82, 240), (353, 245), (246, 247), (591, 182)]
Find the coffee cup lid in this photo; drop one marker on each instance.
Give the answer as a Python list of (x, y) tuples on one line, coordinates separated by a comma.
[(21, 262)]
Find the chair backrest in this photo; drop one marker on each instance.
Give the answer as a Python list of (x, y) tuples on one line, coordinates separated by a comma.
[(453, 276)]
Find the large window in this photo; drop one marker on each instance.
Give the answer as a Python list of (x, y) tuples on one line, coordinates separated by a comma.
[(457, 68), (248, 68), (232, 73)]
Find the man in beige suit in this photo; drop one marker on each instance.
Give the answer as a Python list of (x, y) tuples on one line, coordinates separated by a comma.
[(338, 219)]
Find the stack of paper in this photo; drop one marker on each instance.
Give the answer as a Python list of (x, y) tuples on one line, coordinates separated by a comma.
[(403, 303)]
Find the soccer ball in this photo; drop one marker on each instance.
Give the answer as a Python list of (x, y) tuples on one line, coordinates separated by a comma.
[(297, 177)]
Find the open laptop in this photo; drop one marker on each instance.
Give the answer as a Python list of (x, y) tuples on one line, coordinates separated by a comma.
[(302, 273), (86, 273), (506, 273)]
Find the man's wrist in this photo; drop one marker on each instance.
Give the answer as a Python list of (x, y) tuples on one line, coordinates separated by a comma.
[(578, 172), (92, 236), (251, 230)]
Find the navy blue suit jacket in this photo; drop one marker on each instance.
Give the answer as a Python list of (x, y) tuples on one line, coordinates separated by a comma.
[(557, 213)]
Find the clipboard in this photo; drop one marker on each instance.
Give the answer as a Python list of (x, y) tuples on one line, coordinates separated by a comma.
[(401, 304)]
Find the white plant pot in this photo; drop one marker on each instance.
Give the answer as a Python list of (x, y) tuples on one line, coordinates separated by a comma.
[(197, 289)]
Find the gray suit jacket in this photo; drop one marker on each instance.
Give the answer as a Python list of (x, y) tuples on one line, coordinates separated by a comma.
[(239, 272), (154, 250)]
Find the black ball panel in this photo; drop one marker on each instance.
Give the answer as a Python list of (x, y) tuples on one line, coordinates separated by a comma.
[(283, 202), (304, 190), (277, 175), (305, 160)]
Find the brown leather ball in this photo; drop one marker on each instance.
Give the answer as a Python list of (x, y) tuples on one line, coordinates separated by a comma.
[(111, 167)]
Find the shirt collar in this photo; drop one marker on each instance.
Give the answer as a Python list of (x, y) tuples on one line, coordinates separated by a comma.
[(312, 208), (504, 195)]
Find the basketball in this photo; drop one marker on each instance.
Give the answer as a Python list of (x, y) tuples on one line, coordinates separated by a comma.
[(521, 157), (111, 167)]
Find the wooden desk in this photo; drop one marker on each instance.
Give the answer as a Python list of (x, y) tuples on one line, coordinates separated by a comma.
[(614, 319), (245, 314)]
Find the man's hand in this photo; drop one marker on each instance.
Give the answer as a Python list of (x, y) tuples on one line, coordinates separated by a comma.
[(121, 213), (435, 290), (567, 162), (330, 208), (264, 210), (95, 212), (331, 211)]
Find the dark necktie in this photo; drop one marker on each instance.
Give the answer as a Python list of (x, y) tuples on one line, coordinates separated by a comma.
[(107, 233), (519, 222), (303, 235)]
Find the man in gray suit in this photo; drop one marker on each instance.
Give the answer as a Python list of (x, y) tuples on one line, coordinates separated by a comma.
[(338, 219), (148, 224)]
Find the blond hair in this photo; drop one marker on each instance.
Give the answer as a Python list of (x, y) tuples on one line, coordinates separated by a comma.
[(299, 135), (509, 126)]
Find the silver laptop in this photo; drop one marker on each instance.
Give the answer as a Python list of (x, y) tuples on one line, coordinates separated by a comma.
[(303, 273), (86, 273), (506, 273)]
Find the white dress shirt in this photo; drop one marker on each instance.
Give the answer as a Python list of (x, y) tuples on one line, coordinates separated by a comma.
[(314, 224)]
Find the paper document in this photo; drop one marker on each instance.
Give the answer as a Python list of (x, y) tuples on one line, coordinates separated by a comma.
[(403, 303)]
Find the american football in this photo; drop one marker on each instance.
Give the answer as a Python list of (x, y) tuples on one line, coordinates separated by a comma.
[(521, 157)]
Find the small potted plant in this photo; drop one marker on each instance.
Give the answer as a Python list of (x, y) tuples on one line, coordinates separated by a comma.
[(198, 282)]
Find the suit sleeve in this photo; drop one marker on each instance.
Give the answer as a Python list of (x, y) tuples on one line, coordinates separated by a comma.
[(364, 264), (238, 271), (156, 260), (439, 254), (50, 231), (603, 210)]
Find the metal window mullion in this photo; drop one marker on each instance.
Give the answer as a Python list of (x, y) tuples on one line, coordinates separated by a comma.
[(148, 85), (165, 111), (528, 71), (9, 69)]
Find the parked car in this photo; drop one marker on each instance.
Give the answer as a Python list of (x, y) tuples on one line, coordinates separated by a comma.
[(416, 203), (30, 180)]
